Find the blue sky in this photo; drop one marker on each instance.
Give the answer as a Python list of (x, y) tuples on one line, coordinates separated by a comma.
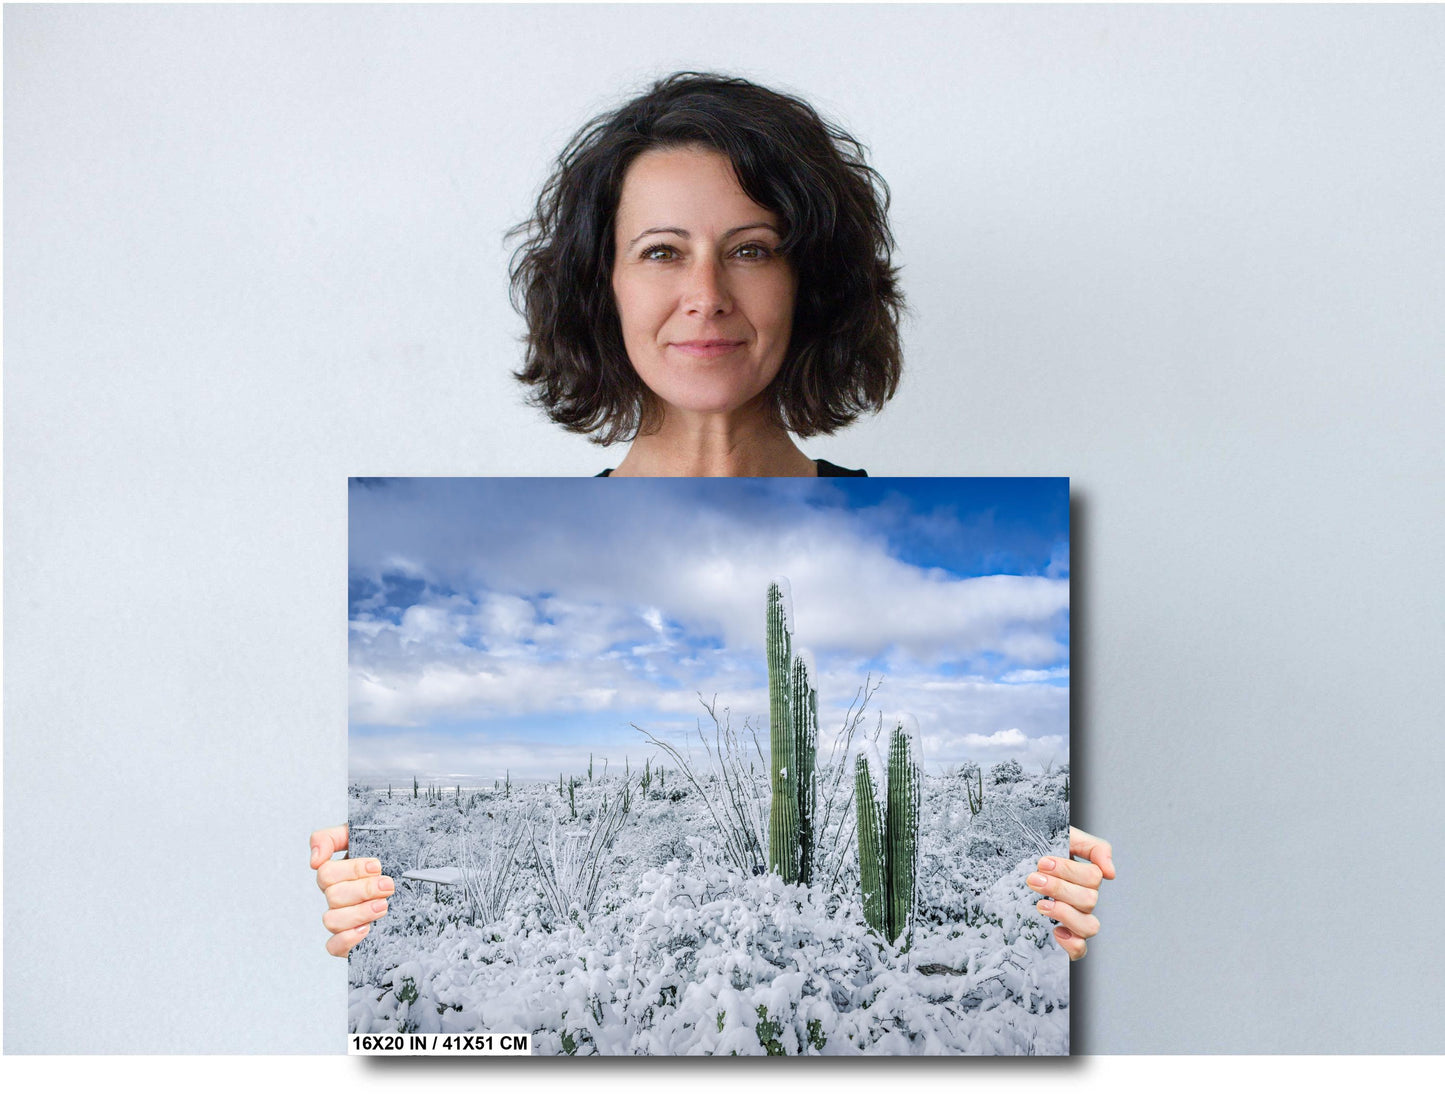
[(521, 624)]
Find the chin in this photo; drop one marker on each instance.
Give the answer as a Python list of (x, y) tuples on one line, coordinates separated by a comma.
[(707, 406), (703, 401)]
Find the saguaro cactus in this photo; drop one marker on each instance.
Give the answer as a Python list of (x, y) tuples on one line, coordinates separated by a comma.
[(805, 758), (872, 866), (902, 829), (888, 848), (783, 845)]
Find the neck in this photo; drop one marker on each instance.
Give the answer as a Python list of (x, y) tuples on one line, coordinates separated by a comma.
[(742, 444)]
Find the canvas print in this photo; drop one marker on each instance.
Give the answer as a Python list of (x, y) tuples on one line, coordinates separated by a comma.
[(712, 766)]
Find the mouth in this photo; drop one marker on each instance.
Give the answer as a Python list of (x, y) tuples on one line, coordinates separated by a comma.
[(707, 348)]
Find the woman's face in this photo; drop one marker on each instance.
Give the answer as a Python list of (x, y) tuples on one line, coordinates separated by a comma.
[(705, 300)]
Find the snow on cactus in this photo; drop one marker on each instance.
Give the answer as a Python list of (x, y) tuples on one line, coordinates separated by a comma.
[(785, 601), (805, 757), (904, 780), (793, 741), (784, 849), (872, 857), (887, 816)]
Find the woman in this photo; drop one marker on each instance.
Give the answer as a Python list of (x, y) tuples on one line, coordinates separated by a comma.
[(705, 276)]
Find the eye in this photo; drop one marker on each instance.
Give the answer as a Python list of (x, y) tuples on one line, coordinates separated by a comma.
[(658, 252), (753, 251)]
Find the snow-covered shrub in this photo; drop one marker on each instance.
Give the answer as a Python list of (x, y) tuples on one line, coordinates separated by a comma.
[(732, 784), (571, 866), (490, 868), (1005, 773)]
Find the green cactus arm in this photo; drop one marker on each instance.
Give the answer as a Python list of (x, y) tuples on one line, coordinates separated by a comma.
[(805, 756), (872, 868), (783, 816), (901, 828)]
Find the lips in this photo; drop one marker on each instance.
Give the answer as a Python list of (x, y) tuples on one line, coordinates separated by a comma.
[(707, 347)]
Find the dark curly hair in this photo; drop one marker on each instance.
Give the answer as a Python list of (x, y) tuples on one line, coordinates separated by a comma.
[(844, 355)]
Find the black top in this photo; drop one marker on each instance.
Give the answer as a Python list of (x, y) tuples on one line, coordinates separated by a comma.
[(825, 470)]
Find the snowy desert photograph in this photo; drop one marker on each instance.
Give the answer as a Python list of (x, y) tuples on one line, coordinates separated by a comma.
[(686, 767)]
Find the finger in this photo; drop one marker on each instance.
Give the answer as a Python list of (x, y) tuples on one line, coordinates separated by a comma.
[(349, 917), (337, 870), (326, 842), (1093, 849), (1083, 899), (346, 940), (350, 892), (1079, 925), (1074, 870), (1073, 945)]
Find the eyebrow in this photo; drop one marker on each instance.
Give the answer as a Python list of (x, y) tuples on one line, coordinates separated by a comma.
[(687, 236)]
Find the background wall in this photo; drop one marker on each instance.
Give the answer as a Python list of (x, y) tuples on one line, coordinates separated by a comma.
[(1193, 258)]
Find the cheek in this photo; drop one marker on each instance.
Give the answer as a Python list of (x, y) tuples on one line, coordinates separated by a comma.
[(638, 308), (781, 302), (621, 301)]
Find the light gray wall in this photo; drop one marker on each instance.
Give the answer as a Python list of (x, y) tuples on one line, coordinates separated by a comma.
[(1193, 258)]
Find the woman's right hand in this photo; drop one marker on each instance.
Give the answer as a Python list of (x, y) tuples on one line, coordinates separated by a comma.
[(356, 890)]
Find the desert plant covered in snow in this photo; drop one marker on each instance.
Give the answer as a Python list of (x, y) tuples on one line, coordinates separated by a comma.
[(783, 844), (888, 836), (793, 745), (489, 869), (975, 800), (804, 699), (732, 791), (570, 866), (1005, 773)]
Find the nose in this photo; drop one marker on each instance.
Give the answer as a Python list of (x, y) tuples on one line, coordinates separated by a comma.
[(707, 294)]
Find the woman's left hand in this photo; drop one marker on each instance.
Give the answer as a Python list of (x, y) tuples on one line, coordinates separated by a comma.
[(1071, 888)]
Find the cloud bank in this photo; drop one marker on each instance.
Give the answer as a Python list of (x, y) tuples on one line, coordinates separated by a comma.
[(531, 618)]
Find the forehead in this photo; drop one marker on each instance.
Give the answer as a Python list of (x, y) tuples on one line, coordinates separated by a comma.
[(685, 187)]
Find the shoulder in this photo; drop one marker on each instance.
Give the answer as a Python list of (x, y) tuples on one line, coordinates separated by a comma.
[(832, 470)]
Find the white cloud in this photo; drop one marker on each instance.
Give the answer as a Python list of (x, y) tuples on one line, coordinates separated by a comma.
[(594, 606), (1026, 676)]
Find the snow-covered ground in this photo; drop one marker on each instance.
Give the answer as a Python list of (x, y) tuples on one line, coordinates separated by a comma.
[(666, 949)]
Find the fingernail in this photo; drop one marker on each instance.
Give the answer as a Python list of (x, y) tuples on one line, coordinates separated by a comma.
[(373, 866), (315, 854), (1047, 863), (1038, 881), (1045, 904), (1063, 933), (362, 931), (385, 883), (379, 906)]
